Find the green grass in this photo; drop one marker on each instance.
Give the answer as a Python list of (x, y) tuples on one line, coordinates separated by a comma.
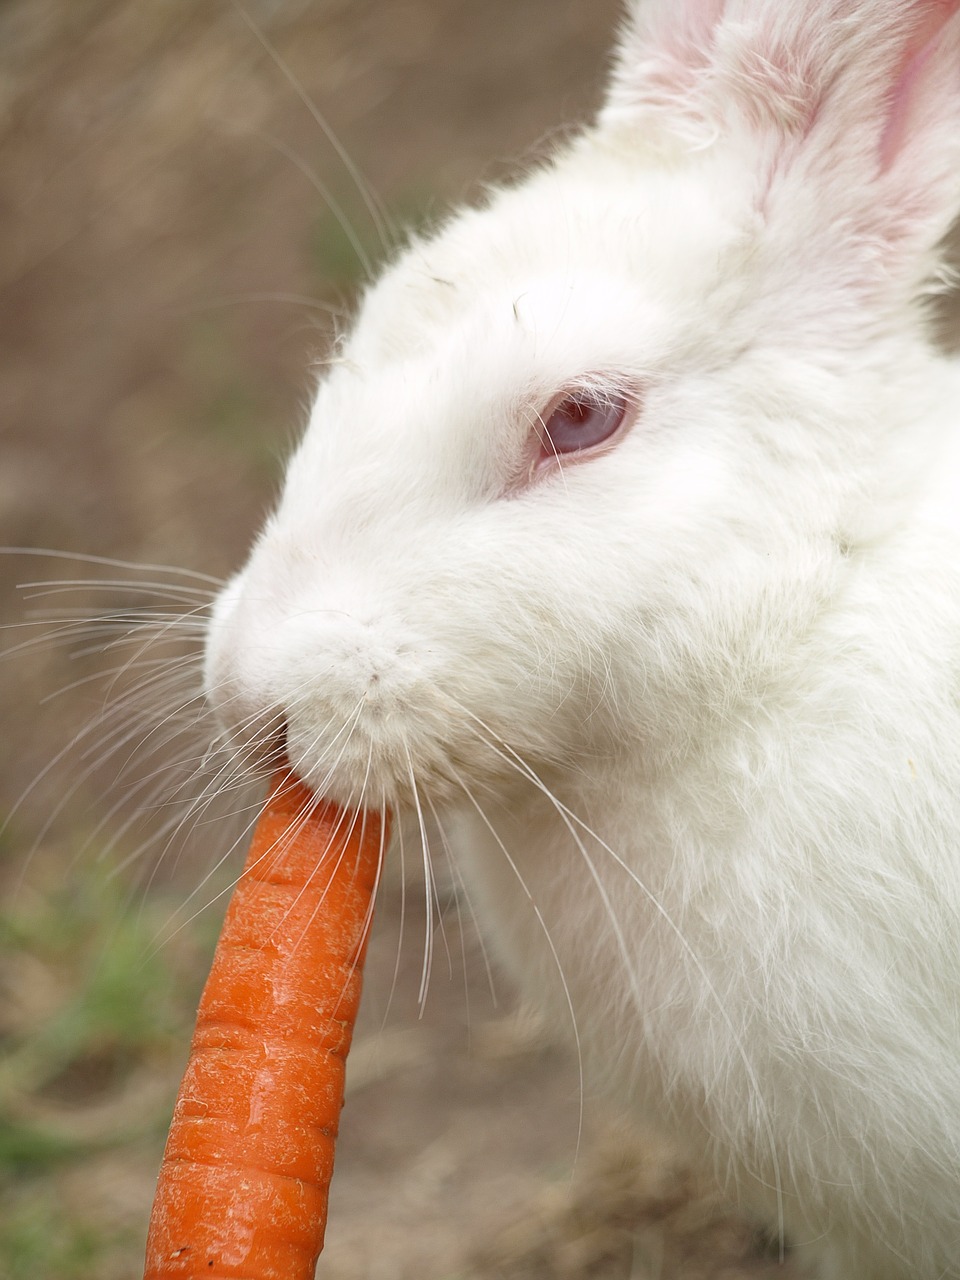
[(38, 1240), (90, 1008), (118, 991)]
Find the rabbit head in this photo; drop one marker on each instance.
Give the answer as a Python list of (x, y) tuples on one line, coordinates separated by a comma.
[(595, 453)]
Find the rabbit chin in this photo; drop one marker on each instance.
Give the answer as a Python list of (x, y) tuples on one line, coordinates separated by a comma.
[(396, 764), (389, 748), (384, 737)]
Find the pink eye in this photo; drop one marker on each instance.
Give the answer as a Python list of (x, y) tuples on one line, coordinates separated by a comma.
[(580, 422)]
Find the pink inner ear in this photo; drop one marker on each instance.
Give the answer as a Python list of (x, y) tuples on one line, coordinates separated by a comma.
[(686, 43), (702, 16), (909, 72)]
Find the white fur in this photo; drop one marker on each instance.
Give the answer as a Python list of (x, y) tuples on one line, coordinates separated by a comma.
[(689, 709)]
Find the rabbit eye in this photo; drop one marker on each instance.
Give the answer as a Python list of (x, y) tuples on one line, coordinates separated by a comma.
[(580, 422)]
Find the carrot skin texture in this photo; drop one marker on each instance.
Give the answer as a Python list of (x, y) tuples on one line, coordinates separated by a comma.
[(243, 1186)]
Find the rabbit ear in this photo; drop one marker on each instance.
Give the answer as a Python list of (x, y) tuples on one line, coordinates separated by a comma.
[(846, 111), (927, 72), (665, 48), (918, 150)]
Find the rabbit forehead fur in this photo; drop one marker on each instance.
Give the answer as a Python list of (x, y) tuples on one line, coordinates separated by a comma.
[(693, 697)]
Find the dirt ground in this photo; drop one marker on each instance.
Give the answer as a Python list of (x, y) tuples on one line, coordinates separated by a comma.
[(168, 257)]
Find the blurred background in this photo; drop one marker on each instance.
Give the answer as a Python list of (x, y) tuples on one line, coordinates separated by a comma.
[(178, 229)]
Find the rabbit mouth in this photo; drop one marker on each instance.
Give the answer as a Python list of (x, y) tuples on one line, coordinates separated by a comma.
[(364, 719), (366, 765), (397, 737)]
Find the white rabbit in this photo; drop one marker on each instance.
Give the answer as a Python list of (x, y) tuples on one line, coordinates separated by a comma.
[(625, 535)]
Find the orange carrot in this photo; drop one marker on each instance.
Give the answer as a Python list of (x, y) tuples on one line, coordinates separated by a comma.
[(246, 1172)]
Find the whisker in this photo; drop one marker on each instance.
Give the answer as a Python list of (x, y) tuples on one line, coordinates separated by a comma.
[(147, 800), (343, 222), (111, 562), (227, 778), (377, 214), (254, 299), (127, 731), (165, 936), (95, 754), (71, 745), (429, 891), (168, 665), (351, 818), (568, 996), (53, 586), (395, 976), (70, 630), (570, 820), (462, 894)]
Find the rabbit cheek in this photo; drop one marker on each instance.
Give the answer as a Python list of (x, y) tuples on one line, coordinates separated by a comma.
[(238, 690)]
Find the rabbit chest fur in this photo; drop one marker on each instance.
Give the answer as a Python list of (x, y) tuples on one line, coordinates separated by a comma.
[(624, 541)]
